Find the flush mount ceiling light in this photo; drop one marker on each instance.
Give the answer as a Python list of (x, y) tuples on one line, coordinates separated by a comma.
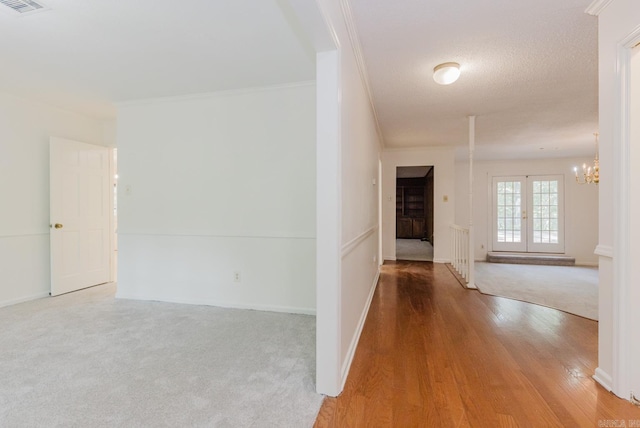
[(447, 73)]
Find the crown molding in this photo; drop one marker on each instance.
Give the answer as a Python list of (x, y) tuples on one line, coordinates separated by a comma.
[(215, 94), (597, 6), (357, 52), (419, 149)]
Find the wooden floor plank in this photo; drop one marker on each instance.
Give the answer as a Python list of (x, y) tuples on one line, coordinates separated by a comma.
[(435, 354)]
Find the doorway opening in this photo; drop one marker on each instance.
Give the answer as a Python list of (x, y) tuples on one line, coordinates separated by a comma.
[(414, 213), (114, 226), (81, 223)]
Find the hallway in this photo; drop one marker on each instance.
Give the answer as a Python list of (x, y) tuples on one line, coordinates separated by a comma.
[(434, 354), (414, 250)]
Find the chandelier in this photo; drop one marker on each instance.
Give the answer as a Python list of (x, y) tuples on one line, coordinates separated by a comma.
[(589, 174)]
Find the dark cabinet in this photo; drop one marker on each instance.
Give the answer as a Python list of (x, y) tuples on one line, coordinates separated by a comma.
[(410, 213), (418, 227), (414, 207), (404, 228), (409, 228)]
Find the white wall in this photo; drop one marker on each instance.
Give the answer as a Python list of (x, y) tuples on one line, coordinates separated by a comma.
[(634, 214), (25, 128), (615, 23), (443, 160), (581, 202), (359, 240), (348, 157), (214, 185)]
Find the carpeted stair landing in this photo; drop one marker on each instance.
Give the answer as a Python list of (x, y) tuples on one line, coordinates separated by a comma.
[(531, 259), (572, 289)]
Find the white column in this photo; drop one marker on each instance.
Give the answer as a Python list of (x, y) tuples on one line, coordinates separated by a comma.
[(471, 266)]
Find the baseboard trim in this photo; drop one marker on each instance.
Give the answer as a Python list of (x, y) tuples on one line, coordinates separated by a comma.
[(603, 379), (23, 299), (218, 303), (356, 337), (440, 260)]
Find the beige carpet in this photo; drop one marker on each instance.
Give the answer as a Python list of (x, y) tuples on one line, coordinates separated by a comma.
[(414, 250), (86, 359), (572, 289)]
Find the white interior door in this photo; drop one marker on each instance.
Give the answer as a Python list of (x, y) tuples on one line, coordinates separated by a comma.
[(79, 215), (528, 214)]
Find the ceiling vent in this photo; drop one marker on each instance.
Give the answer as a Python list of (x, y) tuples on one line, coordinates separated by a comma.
[(23, 7)]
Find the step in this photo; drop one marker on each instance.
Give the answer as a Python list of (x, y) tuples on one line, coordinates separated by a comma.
[(531, 259)]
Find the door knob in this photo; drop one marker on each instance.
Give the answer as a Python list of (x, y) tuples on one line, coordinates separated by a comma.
[(58, 226)]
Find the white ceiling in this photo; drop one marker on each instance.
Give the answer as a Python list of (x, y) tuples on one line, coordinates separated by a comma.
[(86, 55), (529, 73), (529, 69)]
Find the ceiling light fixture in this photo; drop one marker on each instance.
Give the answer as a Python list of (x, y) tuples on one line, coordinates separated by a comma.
[(590, 174), (447, 73)]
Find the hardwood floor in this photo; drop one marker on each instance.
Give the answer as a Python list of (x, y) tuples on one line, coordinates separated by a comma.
[(433, 354)]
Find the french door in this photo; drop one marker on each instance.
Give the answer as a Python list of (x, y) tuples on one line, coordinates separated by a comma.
[(528, 213)]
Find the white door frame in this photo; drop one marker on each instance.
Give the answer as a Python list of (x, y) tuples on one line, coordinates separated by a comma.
[(527, 243), (532, 246), (112, 225), (623, 307)]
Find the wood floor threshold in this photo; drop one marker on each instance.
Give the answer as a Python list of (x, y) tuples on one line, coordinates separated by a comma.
[(432, 354)]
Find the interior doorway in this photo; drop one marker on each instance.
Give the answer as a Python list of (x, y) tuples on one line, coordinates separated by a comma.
[(80, 222), (114, 218), (414, 213)]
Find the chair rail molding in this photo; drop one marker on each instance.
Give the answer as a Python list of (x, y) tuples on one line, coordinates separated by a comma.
[(604, 251), (351, 245)]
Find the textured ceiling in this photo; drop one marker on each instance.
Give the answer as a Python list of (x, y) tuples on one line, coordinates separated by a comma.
[(529, 69), (529, 73), (88, 54)]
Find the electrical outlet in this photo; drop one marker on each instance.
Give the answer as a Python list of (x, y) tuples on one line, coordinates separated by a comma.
[(236, 277), (375, 258)]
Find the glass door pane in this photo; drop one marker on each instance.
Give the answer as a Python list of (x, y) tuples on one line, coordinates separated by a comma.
[(546, 232), (509, 227)]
